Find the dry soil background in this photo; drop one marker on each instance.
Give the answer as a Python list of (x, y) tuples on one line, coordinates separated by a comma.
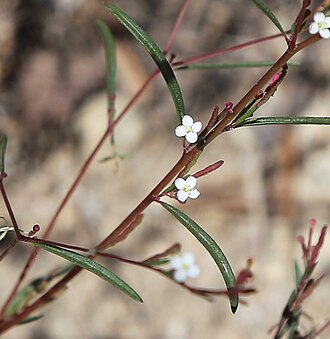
[(53, 109)]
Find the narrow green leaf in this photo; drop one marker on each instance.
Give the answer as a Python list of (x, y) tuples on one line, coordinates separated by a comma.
[(162, 258), (262, 6), (244, 115), (157, 55), (20, 301), (297, 273), (213, 248), (110, 52), (3, 145), (293, 323), (286, 121), (94, 267), (31, 319), (225, 65)]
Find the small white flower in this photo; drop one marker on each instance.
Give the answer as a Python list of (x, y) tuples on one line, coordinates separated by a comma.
[(184, 267), (186, 188), (320, 25), (188, 129)]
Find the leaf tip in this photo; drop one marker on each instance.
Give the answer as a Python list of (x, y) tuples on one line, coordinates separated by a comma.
[(234, 308)]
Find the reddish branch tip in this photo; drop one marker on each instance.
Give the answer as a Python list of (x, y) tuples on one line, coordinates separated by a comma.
[(36, 228), (301, 239), (229, 105), (259, 95), (312, 222)]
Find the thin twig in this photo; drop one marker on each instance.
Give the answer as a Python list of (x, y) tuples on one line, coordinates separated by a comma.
[(176, 26)]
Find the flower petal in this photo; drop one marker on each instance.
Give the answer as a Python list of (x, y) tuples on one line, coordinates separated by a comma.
[(327, 22), (197, 126), (180, 276), (319, 17), (188, 258), (180, 183), (180, 131), (187, 121), (194, 194), (191, 137), (194, 271), (176, 262), (313, 28), (182, 196), (325, 33), (191, 181)]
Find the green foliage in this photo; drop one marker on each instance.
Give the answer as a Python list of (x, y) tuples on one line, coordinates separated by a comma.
[(94, 267), (263, 7), (157, 55), (286, 121), (213, 248), (111, 61)]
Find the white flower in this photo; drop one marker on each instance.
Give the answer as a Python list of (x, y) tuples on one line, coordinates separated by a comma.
[(320, 25), (186, 188), (188, 129), (184, 267)]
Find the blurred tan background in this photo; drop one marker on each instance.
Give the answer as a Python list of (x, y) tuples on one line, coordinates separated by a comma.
[(53, 110)]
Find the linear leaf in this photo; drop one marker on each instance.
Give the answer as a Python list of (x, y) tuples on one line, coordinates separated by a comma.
[(110, 52), (213, 248), (161, 258), (157, 55), (31, 319), (286, 121), (94, 267), (21, 300), (297, 273), (262, 6), (3, 145), (225, 65)]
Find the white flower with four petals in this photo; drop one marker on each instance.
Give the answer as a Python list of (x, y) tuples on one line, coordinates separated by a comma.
[(188, 129), (320, 25), (186, 188), (184, 267)]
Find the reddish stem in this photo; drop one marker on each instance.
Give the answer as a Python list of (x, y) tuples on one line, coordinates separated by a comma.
[(9, 209), (176, 26), (298, 23), (220, 127), (73, 187), (224, 51), (186, 158)]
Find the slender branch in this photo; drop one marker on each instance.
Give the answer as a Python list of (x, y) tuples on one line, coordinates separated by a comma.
[(298, 23), (224, 51), (9, 209), (322, 328), (186, 158), (146, 201), (218, 129), (73, 187), (176, 26)]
